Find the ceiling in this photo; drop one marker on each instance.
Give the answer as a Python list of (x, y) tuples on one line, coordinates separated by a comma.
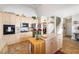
[(23, 5), (49, 9), (51, 5), (35, 6), (39, 5)]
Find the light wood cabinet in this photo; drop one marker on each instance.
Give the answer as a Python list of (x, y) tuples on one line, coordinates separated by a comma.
[(50, 43), (13, 19)]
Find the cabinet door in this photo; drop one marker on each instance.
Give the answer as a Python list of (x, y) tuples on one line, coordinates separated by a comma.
[(5, 18), (51, 45)]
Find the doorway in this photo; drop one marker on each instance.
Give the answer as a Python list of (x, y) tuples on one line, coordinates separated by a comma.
[(67, 27)]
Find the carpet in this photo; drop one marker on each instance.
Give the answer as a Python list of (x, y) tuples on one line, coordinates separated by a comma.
[(59, 52)]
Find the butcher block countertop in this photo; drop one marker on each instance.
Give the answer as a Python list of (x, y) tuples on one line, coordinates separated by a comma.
[(37, 46), (34, 41)]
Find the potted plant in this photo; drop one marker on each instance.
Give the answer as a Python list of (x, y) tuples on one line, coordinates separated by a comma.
[(34, 17)]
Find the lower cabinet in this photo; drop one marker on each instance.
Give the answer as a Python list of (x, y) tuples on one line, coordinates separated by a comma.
[(4, 50), (51, 46)]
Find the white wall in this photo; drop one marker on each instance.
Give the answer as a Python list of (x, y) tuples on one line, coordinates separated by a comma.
[(19, 9), (59, 34)]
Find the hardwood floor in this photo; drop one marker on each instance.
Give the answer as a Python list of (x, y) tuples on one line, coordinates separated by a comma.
[(19, 48), (70, 46)]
